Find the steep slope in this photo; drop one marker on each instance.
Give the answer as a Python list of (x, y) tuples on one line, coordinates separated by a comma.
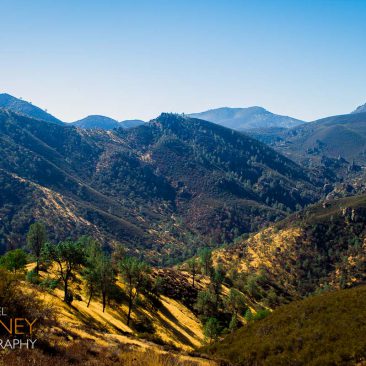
[(21, 106), (328, 329), (161, 189), (96, 122), (322, 247), (161, 331), (243, 119)]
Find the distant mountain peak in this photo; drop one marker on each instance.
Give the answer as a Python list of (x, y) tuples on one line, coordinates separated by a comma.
[(250, 118), (6, 97), (96, 121), (130, 123), (21, 106), (360, 109)]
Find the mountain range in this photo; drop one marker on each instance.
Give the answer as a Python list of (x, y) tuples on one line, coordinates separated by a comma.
[(241, 119), (167, 186), (25, 108), (257, 248)]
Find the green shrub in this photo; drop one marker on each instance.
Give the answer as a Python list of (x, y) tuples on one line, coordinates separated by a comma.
[(14, 260), (261, 314), (32, 277), (49, 283)]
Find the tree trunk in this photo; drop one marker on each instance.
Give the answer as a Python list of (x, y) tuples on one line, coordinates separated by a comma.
[(104, 297), (90, 297), (129, 309), (65, 290), (37, 266)]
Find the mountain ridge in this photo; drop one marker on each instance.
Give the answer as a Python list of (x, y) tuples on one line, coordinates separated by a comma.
[(332, 137), (243, 119), (7, 101), (105, 123)]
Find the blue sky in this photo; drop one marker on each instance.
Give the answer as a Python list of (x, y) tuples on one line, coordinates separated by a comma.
[(135, 59)]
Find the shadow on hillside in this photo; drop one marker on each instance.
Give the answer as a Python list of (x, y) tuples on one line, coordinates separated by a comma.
[(173, 319), (92, 324)]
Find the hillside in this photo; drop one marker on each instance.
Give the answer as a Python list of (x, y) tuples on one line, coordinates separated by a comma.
[(327, 329), (243, 119), (162, 332), (333, 137), (166, 187), (26, 108), (322, 247)]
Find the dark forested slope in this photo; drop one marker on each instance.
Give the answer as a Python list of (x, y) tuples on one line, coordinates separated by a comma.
[(166, 186)]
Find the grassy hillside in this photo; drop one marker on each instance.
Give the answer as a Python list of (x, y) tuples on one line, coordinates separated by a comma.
[(81, 335), (327, 329), (322, 247)]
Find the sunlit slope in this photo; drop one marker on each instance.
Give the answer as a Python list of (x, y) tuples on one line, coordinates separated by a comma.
[(320, 247), (173, 323)]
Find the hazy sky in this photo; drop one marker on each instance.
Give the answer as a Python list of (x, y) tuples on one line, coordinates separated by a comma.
[(135, 59)]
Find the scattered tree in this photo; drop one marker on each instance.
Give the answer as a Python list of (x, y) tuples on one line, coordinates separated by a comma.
[(36, 239), (206, 304), (217, 278), (193, 268), (235, 302), (134, 274), (206, 260), (211, 329), (106, 276), (90, 273), (14, 260), (69, 255)]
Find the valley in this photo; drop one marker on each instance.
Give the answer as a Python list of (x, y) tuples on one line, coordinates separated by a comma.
[(191, 243)]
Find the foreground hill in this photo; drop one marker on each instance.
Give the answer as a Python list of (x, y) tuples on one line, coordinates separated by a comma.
[(327, 329), (164, 187), (22, 107), (243, 119), (161, 333)]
